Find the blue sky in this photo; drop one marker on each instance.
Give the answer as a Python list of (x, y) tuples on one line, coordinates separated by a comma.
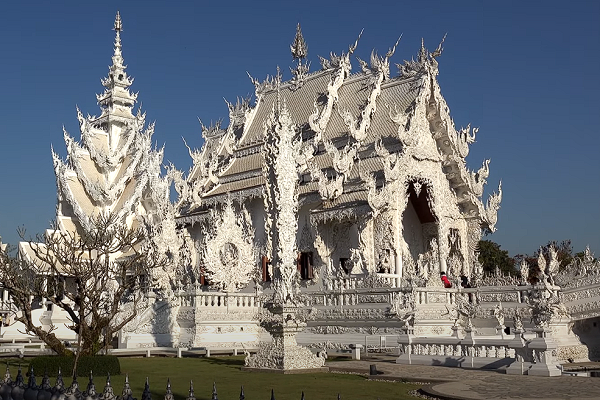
[(526, 73)]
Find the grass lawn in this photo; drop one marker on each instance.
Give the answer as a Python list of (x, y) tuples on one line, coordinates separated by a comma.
[(226, 373)]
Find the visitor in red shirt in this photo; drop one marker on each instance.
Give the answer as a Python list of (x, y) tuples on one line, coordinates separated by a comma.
[(445, 280)]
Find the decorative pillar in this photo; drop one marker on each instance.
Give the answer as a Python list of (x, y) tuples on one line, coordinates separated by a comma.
[(281, 224), (518, 345), (442, 248), (367, 241), (405, 340), (468, 345), (397, 242), (545, 363)]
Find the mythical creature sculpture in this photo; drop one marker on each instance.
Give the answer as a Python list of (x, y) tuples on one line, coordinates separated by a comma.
[(491, 208), (329, 189), (467, 311), (553, 264), (479, 179), (403, 307), (524, 269), (518, 319), (343, 160), (391, 164), (499, 314)]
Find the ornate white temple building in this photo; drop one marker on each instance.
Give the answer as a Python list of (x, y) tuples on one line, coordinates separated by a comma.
[(342, 196)]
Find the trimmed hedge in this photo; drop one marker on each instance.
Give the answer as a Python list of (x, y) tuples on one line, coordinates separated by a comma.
[(99, 365)]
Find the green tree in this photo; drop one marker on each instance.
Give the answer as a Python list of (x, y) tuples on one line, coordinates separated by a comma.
[(491, 256)]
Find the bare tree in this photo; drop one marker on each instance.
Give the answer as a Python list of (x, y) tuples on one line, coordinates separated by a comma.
[(98, 276)]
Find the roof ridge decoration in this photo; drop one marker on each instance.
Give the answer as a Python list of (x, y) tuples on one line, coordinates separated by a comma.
[(299, 51), (341, 70), (492, 205), (343, 162), (238, 112), (380, 70), (319, 119), (261, 87), (425, 61)]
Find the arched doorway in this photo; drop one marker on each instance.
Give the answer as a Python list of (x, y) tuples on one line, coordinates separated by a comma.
[(419, 224)]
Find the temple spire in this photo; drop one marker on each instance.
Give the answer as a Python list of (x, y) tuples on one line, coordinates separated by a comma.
[(298, 47), (117, 58), (116, 100), (299, 52)]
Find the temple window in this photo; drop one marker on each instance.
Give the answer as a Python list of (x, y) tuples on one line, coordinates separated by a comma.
[(305, 265), (345, 265), (265, 267), (454, 241), (385, 261), (204, 281)]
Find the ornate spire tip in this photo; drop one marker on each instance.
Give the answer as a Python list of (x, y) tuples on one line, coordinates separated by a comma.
[(118, 23), (298, 47)]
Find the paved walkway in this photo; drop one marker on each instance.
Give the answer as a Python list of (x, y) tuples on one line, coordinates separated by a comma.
[(456, 383)]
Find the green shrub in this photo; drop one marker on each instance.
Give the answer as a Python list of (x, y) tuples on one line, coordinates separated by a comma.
[(99, 365)]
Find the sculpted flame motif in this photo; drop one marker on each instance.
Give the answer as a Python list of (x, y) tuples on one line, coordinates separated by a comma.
[(343, 162), (318, 120), (380, 68)]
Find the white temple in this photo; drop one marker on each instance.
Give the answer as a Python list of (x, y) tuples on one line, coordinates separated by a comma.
[(338, 199)]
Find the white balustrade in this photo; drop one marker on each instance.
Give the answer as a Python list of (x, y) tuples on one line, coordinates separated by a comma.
[(220, 300)]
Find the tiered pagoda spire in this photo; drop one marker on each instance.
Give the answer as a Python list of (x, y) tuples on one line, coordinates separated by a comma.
[(113, 168), (116, 100)]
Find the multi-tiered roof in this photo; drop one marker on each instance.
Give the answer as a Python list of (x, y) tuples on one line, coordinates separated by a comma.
[(361, 132)]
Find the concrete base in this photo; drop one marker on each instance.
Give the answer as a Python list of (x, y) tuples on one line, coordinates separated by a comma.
[(488, 363), (287, 371), (516, 368), (544, 370)]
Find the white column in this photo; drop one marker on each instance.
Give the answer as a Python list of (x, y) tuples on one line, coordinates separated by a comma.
[(441, 248), (397, 241)]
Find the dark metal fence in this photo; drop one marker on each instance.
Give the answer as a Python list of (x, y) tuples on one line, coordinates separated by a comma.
[(19, 390)]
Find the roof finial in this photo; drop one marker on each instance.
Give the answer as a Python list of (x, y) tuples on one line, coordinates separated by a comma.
[(298, 47), (118, 23), (299, 52)]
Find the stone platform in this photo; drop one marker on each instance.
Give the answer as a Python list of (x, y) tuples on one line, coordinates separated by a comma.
[(457, 383)]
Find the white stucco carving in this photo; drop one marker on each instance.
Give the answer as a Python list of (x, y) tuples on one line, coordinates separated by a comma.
[(229, 255), (407, 210)]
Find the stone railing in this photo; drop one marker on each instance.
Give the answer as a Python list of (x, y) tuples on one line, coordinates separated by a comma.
[(354, 281), (347, 293), (516, 355), (455, 347), (219, 300), (480, 295)]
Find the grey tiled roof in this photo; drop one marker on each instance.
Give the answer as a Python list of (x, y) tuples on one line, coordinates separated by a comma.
[(396, 93)]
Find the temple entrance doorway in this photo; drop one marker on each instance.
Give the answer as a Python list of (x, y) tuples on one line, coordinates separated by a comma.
[(419, 224)]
